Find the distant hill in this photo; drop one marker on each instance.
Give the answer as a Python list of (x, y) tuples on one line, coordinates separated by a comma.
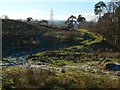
[(59, 23)]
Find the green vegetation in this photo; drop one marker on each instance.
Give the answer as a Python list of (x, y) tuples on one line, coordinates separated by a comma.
[(70, 78), (66, 68), (93, 38), (68, 59)]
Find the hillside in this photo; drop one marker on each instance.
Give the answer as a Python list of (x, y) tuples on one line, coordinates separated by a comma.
[(60, 45), (19, 36), (45, 56), (84, 45)]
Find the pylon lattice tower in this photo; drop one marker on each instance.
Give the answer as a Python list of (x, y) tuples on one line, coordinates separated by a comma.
[(51, 15)]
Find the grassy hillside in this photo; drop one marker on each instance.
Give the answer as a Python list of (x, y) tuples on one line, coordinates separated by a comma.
[(62, 60), (18, 36), (21, 36), (88, 48)]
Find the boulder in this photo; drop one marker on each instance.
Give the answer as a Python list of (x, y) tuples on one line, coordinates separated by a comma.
[(113, 66)]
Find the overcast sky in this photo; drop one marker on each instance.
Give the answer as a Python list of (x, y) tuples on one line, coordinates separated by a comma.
[(40, 9)]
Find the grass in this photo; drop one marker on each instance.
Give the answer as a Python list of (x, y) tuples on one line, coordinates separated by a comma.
[(94, 38), (38, 78), (77, 63)]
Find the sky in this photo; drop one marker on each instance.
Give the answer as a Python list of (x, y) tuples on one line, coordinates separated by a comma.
[(40, 9)]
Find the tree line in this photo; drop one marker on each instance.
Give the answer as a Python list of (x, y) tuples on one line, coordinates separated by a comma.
[(109, 21)]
